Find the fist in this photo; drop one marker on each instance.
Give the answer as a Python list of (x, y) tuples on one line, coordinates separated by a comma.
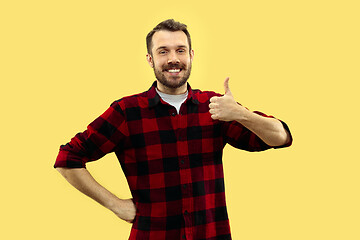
[(224, 108)]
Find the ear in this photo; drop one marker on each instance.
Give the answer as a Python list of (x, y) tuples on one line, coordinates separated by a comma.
[(150, 60), (191, 55)]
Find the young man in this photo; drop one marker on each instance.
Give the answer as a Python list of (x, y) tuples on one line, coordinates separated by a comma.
[(169, 142)]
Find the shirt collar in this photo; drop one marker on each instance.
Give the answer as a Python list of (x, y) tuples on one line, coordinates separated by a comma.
[(154, 97)]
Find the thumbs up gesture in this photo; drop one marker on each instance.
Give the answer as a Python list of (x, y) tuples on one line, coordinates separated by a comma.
[(224, 108)]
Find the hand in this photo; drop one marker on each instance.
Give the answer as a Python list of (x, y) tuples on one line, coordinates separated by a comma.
[(224, 108), (125, 209)]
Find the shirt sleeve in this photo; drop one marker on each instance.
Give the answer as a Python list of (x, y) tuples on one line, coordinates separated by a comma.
[(104, 135), (240, 137)]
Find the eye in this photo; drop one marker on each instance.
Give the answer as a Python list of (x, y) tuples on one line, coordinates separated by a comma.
[(181, 50), (162, 52)]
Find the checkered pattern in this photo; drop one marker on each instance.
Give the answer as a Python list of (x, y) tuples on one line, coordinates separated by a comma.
[(172, 162)]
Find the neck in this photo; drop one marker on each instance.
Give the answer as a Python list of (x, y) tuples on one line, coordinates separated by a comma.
[(173, 91)]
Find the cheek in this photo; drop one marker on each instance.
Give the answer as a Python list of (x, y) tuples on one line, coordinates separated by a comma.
[(157, 66), (158, 63), (186, 60)]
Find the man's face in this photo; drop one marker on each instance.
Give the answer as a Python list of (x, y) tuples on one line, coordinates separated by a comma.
[(171, 58)]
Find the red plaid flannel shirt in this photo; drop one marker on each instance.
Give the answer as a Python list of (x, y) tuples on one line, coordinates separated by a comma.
[(172, 162)]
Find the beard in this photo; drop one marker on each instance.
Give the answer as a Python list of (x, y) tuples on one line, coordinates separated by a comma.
[(172, 81)]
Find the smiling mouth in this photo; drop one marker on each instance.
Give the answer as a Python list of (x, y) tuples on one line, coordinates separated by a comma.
[(173, 71), (176, 70)]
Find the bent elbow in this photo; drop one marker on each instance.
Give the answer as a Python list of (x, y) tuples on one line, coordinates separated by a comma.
[(282, 138)]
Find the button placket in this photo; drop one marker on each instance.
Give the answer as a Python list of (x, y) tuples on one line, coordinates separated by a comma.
[(185, 175)]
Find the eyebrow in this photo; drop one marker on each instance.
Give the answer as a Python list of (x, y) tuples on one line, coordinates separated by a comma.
[(179, 46)]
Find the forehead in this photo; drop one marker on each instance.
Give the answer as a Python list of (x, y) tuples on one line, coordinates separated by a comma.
[(169, 39)]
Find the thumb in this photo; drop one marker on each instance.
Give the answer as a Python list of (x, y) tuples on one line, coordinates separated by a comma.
[(226, 86)]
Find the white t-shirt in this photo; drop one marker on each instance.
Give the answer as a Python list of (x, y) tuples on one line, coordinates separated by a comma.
[(173, 100)]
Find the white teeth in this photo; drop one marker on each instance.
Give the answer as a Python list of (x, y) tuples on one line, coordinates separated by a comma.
[(174, 70)]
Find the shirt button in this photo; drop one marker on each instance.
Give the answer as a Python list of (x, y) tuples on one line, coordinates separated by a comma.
[(173, 114), (182, 161), (184, 186), (186, 212), (184, 237)]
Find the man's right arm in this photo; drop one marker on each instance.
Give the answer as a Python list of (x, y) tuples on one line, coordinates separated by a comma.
[(82, 180), (103, 135)]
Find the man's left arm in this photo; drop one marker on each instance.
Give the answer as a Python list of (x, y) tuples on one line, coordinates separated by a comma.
[(270, 130)]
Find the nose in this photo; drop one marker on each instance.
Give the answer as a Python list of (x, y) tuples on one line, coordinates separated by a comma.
[(173, 58)]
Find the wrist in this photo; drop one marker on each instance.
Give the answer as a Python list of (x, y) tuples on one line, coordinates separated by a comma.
[(242, 115), (114, 204)]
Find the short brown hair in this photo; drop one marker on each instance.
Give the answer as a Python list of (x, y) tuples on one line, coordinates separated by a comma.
[(168, 25)]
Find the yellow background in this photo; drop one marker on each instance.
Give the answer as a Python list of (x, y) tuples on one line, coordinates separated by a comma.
[(64, 62)]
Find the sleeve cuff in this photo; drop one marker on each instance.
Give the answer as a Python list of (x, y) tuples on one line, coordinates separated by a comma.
[(67, 160)]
